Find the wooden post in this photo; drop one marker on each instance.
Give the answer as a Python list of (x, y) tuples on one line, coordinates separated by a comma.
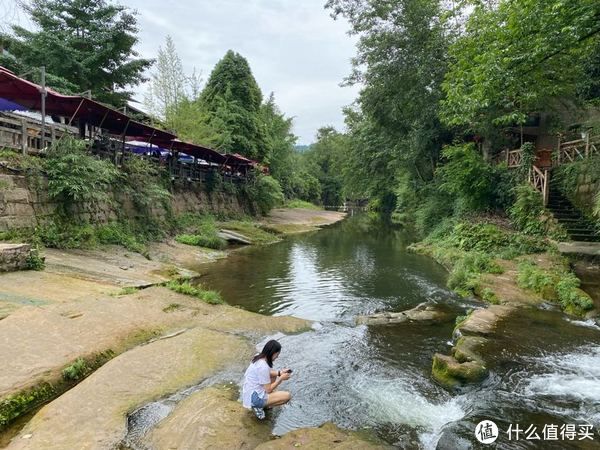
[(587, 144), (546, 186), (52, 134), (23, 137), (558, 159)]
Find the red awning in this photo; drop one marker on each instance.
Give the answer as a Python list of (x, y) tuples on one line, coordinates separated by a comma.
[(99, 115), (73, 107)]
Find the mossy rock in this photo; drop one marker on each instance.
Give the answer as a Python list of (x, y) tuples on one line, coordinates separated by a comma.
[(468, 348), (450, 373)]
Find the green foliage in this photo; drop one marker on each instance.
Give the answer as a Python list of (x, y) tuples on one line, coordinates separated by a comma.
[(302, 205), (127, 291), (71, 41), (572, 299), (35, 261), (467, 177), (527, 210), (74, 176), (265, 191), (200, 230), (510, 60), (251, 230), (186, 288), (16, 405), (76, 371), (144, 183), (213, 242), (466, 272), (233, 100), (557, 284)]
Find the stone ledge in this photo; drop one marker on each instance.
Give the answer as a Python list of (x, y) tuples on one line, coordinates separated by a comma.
[(14, 257)]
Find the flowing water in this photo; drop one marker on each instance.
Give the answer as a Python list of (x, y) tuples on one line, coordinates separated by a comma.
[(544, 370)]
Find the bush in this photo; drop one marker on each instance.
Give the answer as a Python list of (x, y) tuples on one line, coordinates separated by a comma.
[(527, 210), (76, 371), (466, 273), (266, 192), (74, 176), (556, 284), (35, 261), (467, 177), (144, 183), (214, 242)]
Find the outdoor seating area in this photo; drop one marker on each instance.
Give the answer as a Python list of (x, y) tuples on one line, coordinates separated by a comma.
[(33, 118)]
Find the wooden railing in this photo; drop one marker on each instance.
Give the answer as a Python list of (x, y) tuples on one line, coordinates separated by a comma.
[(514, 158), (572, 151), (25, 133), (540, 180)]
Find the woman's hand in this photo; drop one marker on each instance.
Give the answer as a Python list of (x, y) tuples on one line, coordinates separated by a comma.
[(285, 375)]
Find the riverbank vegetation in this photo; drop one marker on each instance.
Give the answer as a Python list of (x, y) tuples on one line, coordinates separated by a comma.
[(444, 90)]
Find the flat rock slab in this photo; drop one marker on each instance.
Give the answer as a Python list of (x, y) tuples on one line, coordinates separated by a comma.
[(298, 220), (233, 236), (325, 437), (422, 313), (579, 248), (209, 419), (37, 342), (482, 322), (111, 265), (92, 415)]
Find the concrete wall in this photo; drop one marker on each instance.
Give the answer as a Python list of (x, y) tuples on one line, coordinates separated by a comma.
[(24, 207)]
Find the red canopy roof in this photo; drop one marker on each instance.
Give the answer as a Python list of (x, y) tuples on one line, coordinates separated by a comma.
[(28, 94), (97, 114)]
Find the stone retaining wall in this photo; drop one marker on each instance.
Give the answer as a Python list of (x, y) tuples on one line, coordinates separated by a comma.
[(22, 206), (587, 189)]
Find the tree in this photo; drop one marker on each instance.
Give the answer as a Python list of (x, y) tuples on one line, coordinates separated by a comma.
[(516, 58), (84, 45), (171, 92), (233, 100), (401, 62)]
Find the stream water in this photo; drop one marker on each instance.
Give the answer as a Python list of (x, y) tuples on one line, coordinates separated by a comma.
[(545, 370)]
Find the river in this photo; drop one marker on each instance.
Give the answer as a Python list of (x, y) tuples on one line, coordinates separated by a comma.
[(545, 370)]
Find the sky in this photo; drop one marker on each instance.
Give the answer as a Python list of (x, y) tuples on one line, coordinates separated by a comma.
[(295, 49)]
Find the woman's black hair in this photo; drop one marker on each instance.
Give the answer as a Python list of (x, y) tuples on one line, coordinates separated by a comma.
[(268, 351)]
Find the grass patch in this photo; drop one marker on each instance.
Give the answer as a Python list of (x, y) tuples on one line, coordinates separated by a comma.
[(302, 205), (215, 242), (126, 291), (172, 307), (186, 288), (556, 284)]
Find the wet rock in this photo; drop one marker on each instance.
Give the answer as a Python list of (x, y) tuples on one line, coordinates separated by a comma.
[(482, 322), (232, 236), (92, 415), (326, 436), (210, 418), (469, 348), (451, 373), (422, 313)]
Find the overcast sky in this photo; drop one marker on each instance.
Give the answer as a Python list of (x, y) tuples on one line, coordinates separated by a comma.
[(294, 48)]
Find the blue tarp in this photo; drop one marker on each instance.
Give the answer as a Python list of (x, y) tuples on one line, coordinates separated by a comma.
[(7, 105)]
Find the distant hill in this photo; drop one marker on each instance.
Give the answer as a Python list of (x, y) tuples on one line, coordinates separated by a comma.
[(301, 148)]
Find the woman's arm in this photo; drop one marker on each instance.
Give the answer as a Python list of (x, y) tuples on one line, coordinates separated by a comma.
[(270, 387)]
